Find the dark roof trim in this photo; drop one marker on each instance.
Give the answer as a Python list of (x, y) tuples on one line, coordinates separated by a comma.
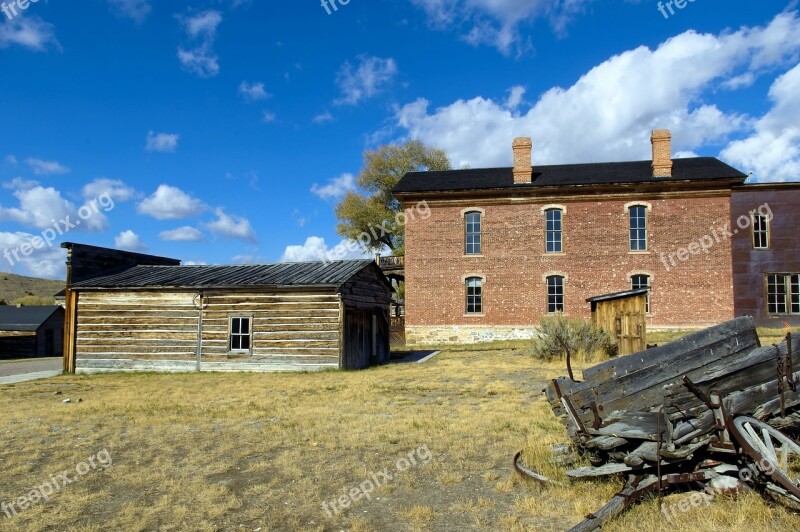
[(618, 295)]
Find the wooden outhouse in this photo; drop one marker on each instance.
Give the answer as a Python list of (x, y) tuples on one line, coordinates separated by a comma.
[(275, 317), (623, 314)]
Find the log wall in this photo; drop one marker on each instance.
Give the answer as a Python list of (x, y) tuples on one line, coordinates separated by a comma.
[(134, 330)]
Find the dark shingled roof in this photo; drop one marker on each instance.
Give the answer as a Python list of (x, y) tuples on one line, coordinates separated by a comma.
[(333, 274), (14, 318), (694, 169)]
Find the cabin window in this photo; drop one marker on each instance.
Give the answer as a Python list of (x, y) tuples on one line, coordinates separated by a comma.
[(474, 295), (760, 231), (241, 334), (472, 223), (554, 231), (642, 281), (638, 227), (555, 294), (783, 293)]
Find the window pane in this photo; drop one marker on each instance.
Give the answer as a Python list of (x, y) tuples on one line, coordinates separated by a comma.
[(245, 326), (776, 294), (795, 293), (553, 237), (473, 233), (638, 228), (235, 326), (642, 281), (474, 295), (555, 294), (760, 232)]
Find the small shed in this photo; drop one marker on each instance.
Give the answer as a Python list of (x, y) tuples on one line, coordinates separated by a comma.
[(31, 331), (274, 317), (623, 314)]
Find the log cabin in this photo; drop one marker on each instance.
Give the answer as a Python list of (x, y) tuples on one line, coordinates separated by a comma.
[(159, 316), (31, 331)]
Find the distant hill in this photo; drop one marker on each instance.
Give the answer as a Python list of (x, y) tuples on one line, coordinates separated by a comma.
[(14, 287)]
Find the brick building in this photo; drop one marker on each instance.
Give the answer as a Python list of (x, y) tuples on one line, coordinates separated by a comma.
[(504, 246)]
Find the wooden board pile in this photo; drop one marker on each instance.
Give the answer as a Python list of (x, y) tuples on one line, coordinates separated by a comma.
[(667, 407)]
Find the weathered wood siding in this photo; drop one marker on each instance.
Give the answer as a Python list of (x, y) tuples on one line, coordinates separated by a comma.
[(295, 330), (366, 299), (625, 320), (136, 324)]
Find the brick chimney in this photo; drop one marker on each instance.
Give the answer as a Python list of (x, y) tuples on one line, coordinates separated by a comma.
[(523, 168), (662, 152)]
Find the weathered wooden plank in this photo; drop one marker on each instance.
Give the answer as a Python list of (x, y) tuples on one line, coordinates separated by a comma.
[(605, 443), (650, 357), (644, 389), (616, 505), (597, 472), (633, 425)]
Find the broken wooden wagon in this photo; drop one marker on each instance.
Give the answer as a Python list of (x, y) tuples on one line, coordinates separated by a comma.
[(704, 409)]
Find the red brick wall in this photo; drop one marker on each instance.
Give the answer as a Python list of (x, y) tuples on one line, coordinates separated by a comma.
[(596, 260)]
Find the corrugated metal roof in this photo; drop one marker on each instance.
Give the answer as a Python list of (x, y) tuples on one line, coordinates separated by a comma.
[(256, 275), (692, 169), (24, 318)]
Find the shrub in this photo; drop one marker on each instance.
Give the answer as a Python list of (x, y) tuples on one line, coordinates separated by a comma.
[(565, 338), (35, 301)]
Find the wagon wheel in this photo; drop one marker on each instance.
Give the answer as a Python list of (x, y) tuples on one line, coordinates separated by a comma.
[(773, 453)]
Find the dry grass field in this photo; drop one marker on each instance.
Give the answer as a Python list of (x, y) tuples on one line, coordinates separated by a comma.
[(264, 451)]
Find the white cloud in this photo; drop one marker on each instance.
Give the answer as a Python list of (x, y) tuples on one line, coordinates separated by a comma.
[(772, 151), (371, 76), (201, 29), (119, 191), (19, 183), (323, 117), (497, 22), (162, 142), (129, 241), (268, 117), (315, 249), (47, 261), (253, 92), (138, 10), (182, 234), (42, 208), (608, 113), (234, 227), (41, 167), (10, 159), (38, 207), (171, 203), (336, 187), (515, 96), (28, 32)]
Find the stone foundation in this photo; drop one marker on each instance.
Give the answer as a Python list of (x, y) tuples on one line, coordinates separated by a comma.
[(463, 334)]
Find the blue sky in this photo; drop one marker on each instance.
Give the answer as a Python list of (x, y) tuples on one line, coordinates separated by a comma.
[(225, 131)]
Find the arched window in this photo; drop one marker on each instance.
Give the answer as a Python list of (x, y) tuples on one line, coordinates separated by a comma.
[(555, 294), (474, 293), (472, 233)]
